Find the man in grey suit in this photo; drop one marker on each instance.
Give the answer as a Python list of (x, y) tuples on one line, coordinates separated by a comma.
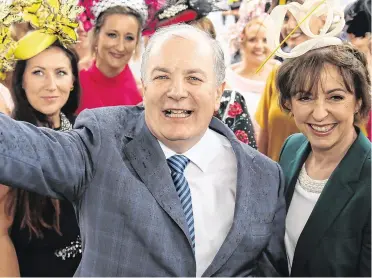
[(164, 189)]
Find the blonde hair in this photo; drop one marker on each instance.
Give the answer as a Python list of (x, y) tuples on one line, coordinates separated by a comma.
[(206, 25), (255, 21)]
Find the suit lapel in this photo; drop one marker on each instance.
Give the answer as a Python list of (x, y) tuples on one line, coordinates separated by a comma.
[(244, 202), (148, 160), (335, 195)]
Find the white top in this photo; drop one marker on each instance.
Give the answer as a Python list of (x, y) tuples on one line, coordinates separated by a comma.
[(212, 177), (305, 196)]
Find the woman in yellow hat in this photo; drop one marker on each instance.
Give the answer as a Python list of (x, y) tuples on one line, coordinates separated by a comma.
[(39, 236)]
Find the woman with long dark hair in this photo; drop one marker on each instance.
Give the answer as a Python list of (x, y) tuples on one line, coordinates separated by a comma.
[(43, 232)]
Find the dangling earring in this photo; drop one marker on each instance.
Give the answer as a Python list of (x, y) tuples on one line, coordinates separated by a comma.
[(72, 89)]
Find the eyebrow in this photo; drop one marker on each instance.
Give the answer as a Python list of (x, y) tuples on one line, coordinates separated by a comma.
[(39, 67), (116, 31), (335, 90), (190, 71), (165, 70)]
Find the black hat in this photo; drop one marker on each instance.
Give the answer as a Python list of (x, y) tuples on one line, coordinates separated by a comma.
[(181, 11), (358, 18)]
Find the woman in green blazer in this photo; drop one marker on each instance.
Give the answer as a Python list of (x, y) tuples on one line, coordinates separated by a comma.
[(327, 168)]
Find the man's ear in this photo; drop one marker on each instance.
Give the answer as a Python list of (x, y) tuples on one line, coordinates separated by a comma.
[(220, 90)]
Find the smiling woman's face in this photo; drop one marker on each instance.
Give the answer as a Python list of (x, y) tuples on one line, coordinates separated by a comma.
[(116, 42), (254, 43), (48, 80), (325, 114)]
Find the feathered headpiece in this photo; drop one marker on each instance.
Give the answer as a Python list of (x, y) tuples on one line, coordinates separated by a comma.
[(93, 8), (181, 11), (53, 20), (302, 13), (9, 14)]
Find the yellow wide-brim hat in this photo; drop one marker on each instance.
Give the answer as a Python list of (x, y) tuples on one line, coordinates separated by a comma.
[(33, 43)]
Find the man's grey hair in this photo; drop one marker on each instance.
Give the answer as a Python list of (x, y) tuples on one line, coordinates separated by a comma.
[(187, 32)]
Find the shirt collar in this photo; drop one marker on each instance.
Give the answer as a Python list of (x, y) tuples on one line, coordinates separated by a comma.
[(204, 151)]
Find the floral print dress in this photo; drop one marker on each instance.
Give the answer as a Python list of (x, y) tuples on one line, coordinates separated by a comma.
[(234, 113)]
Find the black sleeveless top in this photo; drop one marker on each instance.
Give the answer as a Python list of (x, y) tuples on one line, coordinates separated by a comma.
[(53, 255)]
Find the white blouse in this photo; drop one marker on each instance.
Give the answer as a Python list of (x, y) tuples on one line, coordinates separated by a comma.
[(305, 196)]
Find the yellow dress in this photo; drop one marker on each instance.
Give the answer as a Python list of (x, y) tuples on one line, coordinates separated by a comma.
[(277, 124)]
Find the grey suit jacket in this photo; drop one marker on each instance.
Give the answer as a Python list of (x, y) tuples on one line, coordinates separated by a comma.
[(132, 224)]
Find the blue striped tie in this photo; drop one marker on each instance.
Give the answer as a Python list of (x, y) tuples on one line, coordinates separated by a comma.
[(177, 164)]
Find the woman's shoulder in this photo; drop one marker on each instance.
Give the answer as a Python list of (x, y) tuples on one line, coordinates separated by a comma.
[(362, 148), (294, 141), (273, 66), (291, 145)]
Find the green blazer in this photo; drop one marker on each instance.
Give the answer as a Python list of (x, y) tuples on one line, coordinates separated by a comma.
[(336, 240)]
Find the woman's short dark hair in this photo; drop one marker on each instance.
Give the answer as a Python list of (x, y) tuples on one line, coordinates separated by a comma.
[(304, 74), (23, 111)]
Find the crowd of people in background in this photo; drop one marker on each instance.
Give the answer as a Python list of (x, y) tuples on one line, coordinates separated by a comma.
[(178, 138)]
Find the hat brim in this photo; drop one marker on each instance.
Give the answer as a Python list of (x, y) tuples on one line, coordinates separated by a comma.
[(32, 44), (182, 17)]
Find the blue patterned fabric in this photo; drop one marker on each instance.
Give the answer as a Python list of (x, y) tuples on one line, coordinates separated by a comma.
[(177, 164)]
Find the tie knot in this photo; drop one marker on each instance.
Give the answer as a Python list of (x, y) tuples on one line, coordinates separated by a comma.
[(178, 163)]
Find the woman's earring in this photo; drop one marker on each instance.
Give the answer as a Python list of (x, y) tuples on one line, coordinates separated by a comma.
[(72, 89)]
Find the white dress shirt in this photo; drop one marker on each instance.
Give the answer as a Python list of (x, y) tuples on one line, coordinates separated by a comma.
[(212, 176)]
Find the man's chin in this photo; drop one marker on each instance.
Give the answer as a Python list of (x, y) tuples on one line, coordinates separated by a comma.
[(175, 138)]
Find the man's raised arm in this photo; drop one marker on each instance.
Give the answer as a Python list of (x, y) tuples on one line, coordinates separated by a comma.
[(57, 164)]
